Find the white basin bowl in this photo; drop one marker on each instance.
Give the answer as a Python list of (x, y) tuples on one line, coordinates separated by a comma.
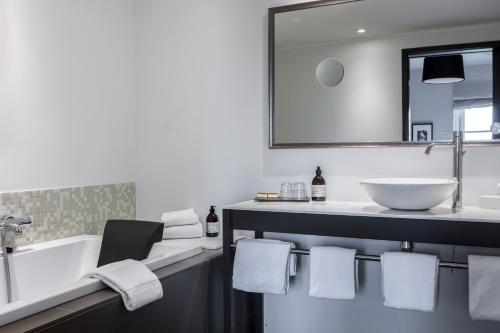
[(409, 193)]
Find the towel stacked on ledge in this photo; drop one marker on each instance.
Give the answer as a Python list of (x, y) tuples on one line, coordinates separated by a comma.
[(181, 224)]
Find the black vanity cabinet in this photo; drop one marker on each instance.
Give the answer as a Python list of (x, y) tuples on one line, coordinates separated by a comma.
[(469, 226)]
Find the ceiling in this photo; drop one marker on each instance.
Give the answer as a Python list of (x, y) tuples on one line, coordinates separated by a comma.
[(341, 22)]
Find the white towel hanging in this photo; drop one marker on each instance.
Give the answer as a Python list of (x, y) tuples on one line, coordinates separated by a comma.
[(333, 273), (484, 291), (409, 280), (262, 266)]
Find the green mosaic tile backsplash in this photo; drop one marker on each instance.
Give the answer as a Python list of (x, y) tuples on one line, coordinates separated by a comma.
[(65, 212)]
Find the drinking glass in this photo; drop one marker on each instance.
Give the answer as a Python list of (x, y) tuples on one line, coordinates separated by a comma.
[(286, 191), (299, 191)]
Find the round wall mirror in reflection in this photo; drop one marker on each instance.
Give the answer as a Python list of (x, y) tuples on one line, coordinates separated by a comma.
[(330, 72)]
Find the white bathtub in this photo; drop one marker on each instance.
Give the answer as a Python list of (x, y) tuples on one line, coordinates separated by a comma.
[(47, 274)]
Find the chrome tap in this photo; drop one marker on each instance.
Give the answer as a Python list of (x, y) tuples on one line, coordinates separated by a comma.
[(458, 153), (10, 223)]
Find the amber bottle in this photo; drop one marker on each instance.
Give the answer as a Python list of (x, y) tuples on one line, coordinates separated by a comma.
[(318, 189), (212, 223)]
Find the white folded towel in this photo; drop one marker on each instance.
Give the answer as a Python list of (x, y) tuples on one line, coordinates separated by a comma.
[(133, 280), (409, 280), (333, 273), (183, 231), (292, 267), (262, 266), (484, 287), (180, 217)]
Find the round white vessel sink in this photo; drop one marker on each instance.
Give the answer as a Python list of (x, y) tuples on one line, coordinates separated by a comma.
[(409, 193)]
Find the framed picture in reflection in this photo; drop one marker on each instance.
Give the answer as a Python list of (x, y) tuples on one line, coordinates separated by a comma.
[(422, 132)]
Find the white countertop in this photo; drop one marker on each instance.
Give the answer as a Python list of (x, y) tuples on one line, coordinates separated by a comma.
[(370, 209), (206, 243)]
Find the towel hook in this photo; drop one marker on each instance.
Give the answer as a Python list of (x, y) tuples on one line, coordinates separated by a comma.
[(406, 246)]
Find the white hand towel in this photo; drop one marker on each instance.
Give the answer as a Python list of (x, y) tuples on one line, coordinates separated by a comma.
[(409, 280), (183, 231), (133, 280), (180, 217), (262, 266), (484, 287), (333, 273), (292, 269)]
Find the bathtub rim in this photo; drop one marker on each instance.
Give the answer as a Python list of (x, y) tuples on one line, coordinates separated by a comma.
[(31, 308), (78, 307)]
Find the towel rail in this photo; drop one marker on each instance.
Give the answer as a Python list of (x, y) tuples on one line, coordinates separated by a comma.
[(369, 257)]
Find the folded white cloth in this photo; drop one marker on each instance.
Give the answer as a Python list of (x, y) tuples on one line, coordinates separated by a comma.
[(292, 267), (409, 280), (262, 266), (183, 231), (180, 217), (484, 287), (333, 273), (133, 280)]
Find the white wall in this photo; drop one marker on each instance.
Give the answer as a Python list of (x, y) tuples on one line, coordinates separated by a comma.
[(66, 93), (200, 97)]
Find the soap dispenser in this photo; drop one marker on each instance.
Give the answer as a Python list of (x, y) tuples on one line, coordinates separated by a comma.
[(212, 223), (318, 189)]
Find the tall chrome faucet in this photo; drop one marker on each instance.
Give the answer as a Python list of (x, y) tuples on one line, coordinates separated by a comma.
[(10, 223), (458, 153)]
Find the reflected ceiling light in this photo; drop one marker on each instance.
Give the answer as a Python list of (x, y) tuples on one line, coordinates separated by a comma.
[(443, 69), (361, 31)]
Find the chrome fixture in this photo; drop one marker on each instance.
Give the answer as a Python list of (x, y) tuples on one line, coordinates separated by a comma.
[(458, 153), (10, 223), (406, 246)]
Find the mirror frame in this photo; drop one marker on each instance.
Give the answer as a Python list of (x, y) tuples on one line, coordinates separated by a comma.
[(271, 82)]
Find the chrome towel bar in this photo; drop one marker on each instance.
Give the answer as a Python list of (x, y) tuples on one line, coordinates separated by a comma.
[(368, 257)]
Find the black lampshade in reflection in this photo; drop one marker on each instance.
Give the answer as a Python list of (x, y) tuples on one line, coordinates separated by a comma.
[(443, 69)]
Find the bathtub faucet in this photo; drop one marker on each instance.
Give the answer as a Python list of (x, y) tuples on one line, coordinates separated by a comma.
[(10, 223)]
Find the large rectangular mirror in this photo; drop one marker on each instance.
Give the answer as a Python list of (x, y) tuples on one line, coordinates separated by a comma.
[(384, 72)]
